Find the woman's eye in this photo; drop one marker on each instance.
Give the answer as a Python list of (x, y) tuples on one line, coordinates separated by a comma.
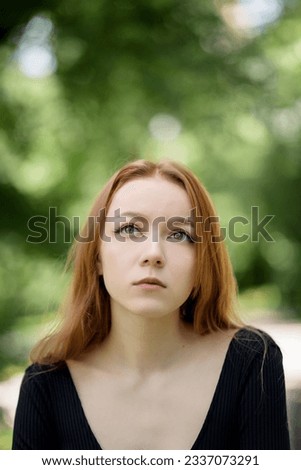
[(129, 229), (180, 237)]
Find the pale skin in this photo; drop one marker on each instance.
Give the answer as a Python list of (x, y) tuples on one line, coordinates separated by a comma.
[(149, 385)]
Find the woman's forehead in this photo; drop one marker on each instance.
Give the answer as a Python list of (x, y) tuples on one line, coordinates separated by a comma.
[(151, 196)]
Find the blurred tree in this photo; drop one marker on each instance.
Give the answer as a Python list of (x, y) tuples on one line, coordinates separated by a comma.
[(85, 86)]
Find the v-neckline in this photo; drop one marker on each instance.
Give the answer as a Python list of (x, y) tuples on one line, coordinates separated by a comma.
[(208, 415)]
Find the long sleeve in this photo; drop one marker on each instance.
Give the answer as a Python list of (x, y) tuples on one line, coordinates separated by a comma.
[(33, 427), (262, 413)]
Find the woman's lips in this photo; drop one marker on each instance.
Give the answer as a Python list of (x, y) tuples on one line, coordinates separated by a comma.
[(150, 283)]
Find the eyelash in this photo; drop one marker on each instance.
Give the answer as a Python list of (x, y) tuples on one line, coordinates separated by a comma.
[(123, 227), (189, 239)]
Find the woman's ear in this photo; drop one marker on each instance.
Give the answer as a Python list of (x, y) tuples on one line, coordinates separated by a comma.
[(99, 265)]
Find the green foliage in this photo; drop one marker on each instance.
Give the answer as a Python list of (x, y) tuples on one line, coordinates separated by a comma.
[(116, 65), (5, 438)]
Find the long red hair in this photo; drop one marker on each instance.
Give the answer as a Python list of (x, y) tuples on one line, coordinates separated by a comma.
[(86, 311)]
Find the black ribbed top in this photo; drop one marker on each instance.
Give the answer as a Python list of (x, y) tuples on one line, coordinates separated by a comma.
[(248, 409)]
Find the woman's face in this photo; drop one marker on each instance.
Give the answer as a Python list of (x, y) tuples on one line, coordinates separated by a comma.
[(147, 257)]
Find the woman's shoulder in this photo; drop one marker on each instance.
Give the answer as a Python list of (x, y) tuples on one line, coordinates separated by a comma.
[(39, 375), (253, 342), (37, 368)]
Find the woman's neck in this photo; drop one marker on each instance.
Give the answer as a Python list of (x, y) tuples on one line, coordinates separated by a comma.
[(144, 344)]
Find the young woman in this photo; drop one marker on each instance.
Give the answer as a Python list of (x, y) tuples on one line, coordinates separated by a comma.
[(150, 354)]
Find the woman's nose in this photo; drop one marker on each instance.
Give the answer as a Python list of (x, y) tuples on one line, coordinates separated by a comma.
[(152, 253)]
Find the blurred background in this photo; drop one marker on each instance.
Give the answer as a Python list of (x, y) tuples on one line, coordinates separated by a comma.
[(87, 86)]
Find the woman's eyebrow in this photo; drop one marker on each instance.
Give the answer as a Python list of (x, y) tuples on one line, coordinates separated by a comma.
[(182, 220), (133, 214), (171, 220)]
